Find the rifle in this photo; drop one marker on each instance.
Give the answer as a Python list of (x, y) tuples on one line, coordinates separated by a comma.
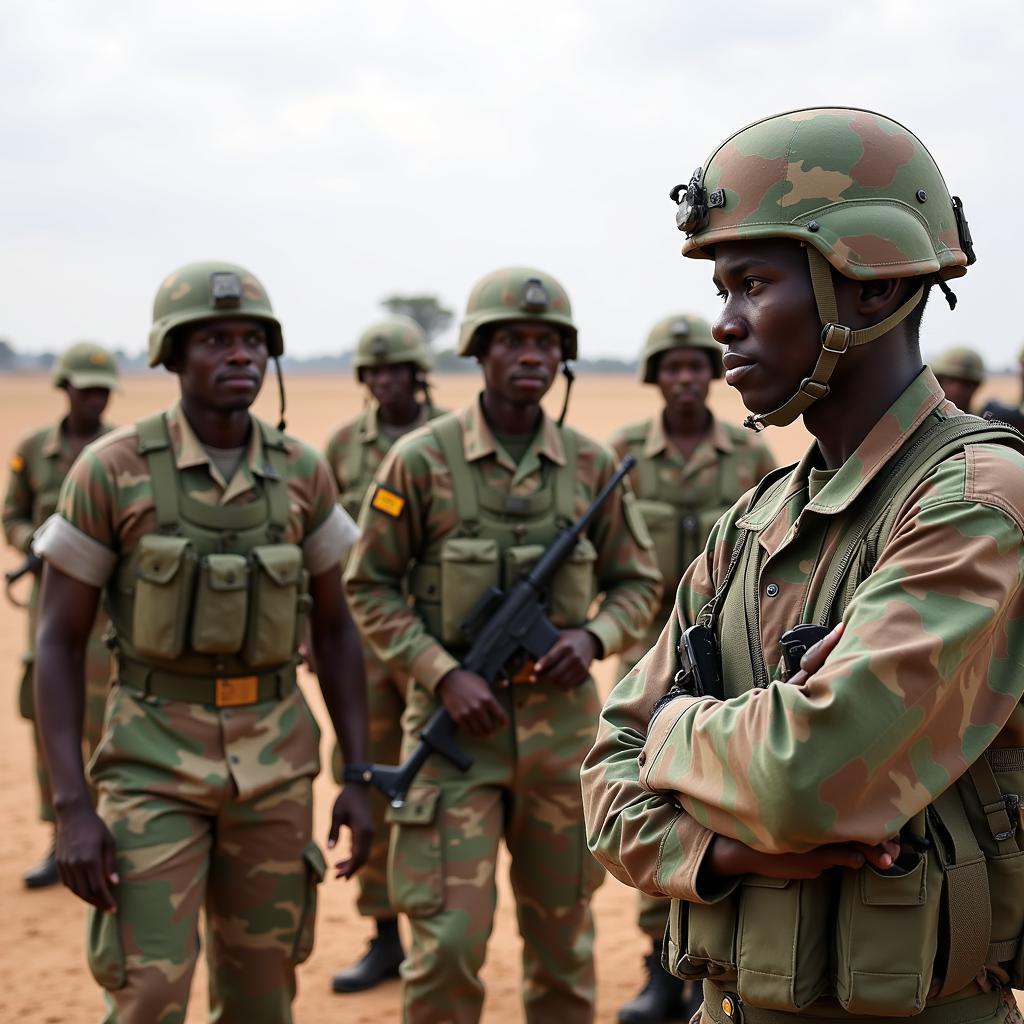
[(32, 564), (507, 628), (1004, 413)]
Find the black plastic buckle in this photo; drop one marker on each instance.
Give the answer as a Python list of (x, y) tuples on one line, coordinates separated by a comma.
[(963, 230)]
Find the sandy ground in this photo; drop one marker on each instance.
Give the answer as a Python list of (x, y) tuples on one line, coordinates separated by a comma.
[(43, 977)]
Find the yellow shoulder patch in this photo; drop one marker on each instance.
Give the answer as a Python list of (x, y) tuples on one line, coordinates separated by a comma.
[(17, 463), (388, 502)]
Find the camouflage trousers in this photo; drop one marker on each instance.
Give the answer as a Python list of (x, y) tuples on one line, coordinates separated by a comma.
[(652, 911), (385, 698), (210, 810), (97, 685), (524, 787)]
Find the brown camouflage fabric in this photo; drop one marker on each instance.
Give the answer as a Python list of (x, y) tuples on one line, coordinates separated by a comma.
[(210, 807), (924, 679), (524, 785), (37, 469)]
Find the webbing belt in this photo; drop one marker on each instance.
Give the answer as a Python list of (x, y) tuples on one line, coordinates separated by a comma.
[(229, 691)]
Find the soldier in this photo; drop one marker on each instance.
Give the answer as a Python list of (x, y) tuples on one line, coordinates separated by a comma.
[(960, 372), (469, 502), (837, 822), (212, 535), (392, 359), (690, 469), (87, 374)]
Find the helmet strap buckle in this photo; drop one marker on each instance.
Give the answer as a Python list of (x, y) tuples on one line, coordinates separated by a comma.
[(814, 389), (830, 334)]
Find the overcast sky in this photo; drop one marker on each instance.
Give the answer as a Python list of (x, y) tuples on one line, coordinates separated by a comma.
[(343, 151)]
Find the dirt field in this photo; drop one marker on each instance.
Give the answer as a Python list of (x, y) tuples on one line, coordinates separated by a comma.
[(43, 977)]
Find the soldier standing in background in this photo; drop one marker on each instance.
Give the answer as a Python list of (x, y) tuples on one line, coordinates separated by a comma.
[(469, 503), (87, 374), (392, 359), (212, 536), (960, 372), (690, 469), (826, 775)]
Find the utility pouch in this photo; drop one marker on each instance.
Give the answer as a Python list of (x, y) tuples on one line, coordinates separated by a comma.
[(662, 521), (469, 568), (887, 933), (702, 939), (219, 610), (415, 856), (573, 588), (277, 579), (315, 867), (164, 576), (103, 949), (518, 561), (783, 941)]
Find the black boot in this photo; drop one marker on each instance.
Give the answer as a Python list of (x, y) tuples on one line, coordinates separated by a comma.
[(661, 999), (45, 873), (380, 962)]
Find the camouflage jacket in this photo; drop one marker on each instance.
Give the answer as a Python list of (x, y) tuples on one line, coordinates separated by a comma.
[(38, 467), (727, 463), (374, 442), (415, 469), (926, 676)]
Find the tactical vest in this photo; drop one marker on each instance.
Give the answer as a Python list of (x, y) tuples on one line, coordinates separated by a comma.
[(678, 525), (47, 482), (879, 943), (210, 607), (498, 538)]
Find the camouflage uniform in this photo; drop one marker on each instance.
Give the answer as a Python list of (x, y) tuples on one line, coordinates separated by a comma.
[(37, 469), (205, 781), (912, 727), (354, 453), (524, 784)]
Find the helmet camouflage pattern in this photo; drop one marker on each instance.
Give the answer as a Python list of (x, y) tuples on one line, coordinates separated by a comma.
[(517, 293), (209, 290), (397, 339), (960, 362), (681, 330), (858, 189), (86, 365)]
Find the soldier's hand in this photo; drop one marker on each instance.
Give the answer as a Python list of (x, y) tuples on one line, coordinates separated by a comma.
[(86, 857), (567, 664), (352, 809), (729, 857), (471, 703)]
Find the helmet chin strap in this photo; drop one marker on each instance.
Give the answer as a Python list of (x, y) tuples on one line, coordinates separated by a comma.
[(569, 378), (835, 341), (280, 393)]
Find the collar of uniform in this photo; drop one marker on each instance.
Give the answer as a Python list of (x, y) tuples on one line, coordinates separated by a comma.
[(657, 442), (478, 439), (885, 438)]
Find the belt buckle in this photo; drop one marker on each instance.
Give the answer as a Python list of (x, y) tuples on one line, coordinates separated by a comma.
[(523, 675), (236, 691)]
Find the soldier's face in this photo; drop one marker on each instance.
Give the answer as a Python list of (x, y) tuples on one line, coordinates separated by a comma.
[(222, 362), (87, 404), (769, 321), (683, 377), (959, 391), (391, 385), (522, 360)]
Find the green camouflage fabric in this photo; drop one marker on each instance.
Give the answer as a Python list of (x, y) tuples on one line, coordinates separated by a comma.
[(86, 365), (680, 330), (857, 186), (210, 807), (385, 690), (726, 464), (397, 339), (961, 362), (924, 679), (37, 469), (524, 784)]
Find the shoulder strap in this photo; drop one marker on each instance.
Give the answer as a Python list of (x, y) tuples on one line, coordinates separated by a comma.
[(448, 431), (355, 453), (565, 479), (155, 443), (926, 448), (275, 449)]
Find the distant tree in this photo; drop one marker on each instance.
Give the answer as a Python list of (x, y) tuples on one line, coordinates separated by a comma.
[(8, 357), (448, 362), (426, 310), (45, 360)]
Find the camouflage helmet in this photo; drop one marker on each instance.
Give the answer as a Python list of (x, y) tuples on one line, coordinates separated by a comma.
[(86, 365), (397, 339), (209, 290), (858, 189), (960, 362), (517, 293), (681, 330)]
